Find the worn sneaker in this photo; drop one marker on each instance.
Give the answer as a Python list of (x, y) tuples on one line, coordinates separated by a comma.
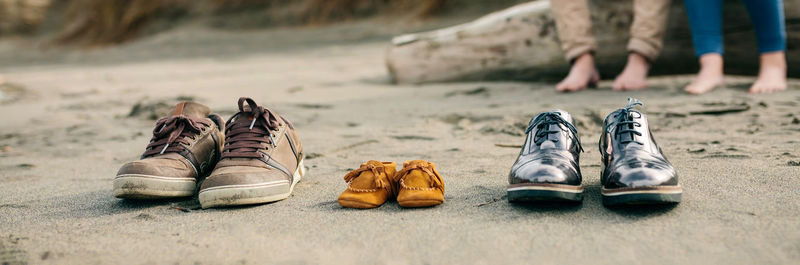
[(419, 184), (369, 186), (184, 148), (635, 170), (547, 168), (261, 162)]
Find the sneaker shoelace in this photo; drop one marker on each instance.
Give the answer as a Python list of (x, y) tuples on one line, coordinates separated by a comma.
[(252, 130), (425, 167), (173, 132), (376, 171), (543, 121), (626, 123)]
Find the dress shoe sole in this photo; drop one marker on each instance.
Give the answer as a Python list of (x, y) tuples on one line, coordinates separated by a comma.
[(232, 195), (538, 192), (138, 186), (642, 196)]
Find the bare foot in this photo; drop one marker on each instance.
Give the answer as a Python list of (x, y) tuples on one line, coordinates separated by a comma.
[(634, 76), (582, 75), (710, 75), (772, 75)]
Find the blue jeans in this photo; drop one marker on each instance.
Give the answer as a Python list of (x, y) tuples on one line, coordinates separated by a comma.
[(705, 20)]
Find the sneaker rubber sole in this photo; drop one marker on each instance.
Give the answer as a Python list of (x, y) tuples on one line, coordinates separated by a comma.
[(233, 195), (642, 196), (544, 192), (137, 186)]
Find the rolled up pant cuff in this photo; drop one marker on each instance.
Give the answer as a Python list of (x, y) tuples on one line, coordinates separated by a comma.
[(576, 52), (643, 48)]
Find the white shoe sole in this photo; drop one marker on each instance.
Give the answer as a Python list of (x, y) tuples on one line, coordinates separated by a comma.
[(138, 186), (232, 195)]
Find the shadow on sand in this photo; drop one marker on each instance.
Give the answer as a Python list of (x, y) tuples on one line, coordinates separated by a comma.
[(187, 203), (546, 207), (640, 211)]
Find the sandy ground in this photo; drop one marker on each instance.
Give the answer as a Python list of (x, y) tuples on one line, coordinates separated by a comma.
[(66, 127)]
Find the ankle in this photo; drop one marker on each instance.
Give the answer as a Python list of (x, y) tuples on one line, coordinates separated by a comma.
[(773, 60), (711, 63), (585, 60), (635, 59)]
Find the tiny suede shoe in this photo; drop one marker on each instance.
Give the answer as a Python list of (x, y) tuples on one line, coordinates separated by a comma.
[(369, 186), (419, 184)]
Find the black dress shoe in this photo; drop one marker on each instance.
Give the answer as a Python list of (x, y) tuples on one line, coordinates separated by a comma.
[(635, 170), (547, 167)]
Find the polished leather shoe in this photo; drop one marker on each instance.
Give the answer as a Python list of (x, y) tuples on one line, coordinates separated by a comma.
[(547, 167), (635, 170)]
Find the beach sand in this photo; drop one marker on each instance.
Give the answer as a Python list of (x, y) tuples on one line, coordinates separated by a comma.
[(67, 125)]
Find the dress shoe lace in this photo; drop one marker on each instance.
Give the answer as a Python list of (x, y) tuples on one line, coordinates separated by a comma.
[(626, 123), (543, 121), (252, 130), (173, 132)]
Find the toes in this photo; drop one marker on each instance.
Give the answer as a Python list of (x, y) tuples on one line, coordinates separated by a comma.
[(563, 86), (694, 90), (570, 89), (760, 87), (757, 88), (629, 85)]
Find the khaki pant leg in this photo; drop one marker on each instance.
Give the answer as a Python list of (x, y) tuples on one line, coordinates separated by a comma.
[(574, 25), (649, 24)]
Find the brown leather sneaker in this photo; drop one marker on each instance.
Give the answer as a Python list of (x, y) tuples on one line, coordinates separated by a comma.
[(185, 146), (261, 162), (419, 184), (369, 186)]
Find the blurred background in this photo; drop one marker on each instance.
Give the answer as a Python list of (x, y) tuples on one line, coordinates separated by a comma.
[(48, 31)]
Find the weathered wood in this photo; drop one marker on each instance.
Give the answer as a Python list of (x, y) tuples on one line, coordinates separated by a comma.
[(520, 43), (21, 15)]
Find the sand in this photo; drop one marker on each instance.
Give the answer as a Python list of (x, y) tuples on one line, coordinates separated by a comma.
[(66, 126)]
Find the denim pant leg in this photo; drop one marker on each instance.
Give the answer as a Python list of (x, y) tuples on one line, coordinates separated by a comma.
[(705, 21), (768, 19)]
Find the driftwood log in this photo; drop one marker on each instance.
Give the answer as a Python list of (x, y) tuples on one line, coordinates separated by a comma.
[(521, 43), (21, 15)]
